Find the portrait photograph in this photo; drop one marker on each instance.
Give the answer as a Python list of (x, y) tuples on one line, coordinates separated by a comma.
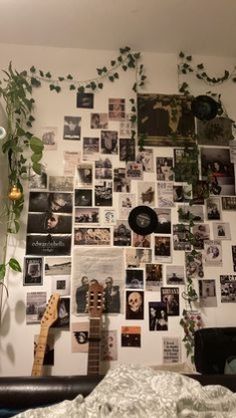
[(127, 149), (221, 230), (99, 121), (109, 142), (84, 175), (48, 222), (116, 110), (158, 318), (51, 202)]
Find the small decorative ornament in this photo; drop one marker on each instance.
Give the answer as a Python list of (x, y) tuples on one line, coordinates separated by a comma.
[(15, 193)]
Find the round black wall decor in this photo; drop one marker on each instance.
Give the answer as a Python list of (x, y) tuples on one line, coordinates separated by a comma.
[(204, 107), (143, 220)]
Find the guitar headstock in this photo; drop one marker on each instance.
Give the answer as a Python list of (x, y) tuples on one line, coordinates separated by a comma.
[(95, 300), (51, 312)]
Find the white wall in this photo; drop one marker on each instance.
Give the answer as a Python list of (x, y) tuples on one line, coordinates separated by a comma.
[(16, 341)]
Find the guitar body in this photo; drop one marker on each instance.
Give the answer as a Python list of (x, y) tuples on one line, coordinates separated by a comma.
[(49, 317), (95, 308)]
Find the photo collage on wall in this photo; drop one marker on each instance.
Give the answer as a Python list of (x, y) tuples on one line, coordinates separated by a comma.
[(78, 229)]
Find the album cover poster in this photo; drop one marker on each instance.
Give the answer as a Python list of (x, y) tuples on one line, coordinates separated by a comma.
[(91, 148), (143, 241), (175, 275), (158, 123), (103, 193), (116, 109), (207, 293), (130, 336), (162, 249), (80, 337), (154, 276), (164, 221), (127, 149), (134, 279), (38, 181), (99, 121), (158, 318), (70, 162), (84, 100), (145, 157), (193, 265), (122, 234), (63, 320), (35, 306), (216, 166), (183, 156), (54, 266), (60, 284), (213, 252), (50, 202), (171, 350), (109, 345), (221, 230), (121, 182), (228, 288), (49, 350), (164, 169), (45, 245), (213, 209), (49, 223), (191, 213), (228, 203), (72, 127), (109, 142), (49, 137), (170, 296), (87, 215), (83, 197), (103, 169), (134, 304), (33, 271), (217, 131), (165, 194), (201, 232), (126, 203), (92, 236), (108, 217), (134, 171), (181, 236), (146, 193), (234, 256), (182, 193), (200, 192), (61, 183), (84, 175)]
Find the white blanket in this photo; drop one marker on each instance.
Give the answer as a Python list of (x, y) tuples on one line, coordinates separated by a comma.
[(140, 392)]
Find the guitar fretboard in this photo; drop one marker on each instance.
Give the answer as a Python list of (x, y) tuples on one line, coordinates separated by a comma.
[(40, 352), (94, 346)]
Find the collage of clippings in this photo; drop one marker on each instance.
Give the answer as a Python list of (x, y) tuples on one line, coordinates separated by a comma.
[(78, 230)]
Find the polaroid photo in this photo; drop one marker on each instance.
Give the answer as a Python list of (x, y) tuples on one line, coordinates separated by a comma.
[(221, 230), (146, 193), (207, 293), (154, 276), (91, 148), (127, 149), (54, 266), (109, 142), (175, 275)]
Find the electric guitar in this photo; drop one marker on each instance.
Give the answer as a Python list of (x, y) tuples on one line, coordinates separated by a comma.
[(95, 308), (49, 317)]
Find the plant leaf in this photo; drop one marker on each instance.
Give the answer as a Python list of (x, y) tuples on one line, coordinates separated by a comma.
[(13, 263)]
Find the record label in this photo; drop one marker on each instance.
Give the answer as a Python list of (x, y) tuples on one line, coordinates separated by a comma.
[(142, 220)]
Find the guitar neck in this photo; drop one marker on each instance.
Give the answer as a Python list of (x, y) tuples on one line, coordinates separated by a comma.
[(94, 346), (37, 369)]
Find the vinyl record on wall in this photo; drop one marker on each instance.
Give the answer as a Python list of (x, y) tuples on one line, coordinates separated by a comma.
[(204, 107), (142, 220)]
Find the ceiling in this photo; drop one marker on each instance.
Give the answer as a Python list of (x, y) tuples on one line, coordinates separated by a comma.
[(204, 27)]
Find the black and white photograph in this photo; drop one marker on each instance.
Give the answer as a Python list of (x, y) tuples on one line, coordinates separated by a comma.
[(170, 296), (51, 202), (80, 337), (134, 279), (234, 256), (127, 201), (200, 192), (38, 181), (127, 149), (116, 109), (158, 318), (145, 157), (216, 166), (164, 221), (83, 197), (103, 169), (183, 156), (49, 223), (45, 245), (216, 132), (125, 128), (201, 232), (146, 193), (63, 320), (84, 175), (175, 275), (72, 127), (165, 120), (134, 171), (194, 265), (131, 336), (108, 216), (49, 137), (92, 236), (162, 249), (99, 121), (122, 234), (109, 142), (35, 306), (144, 255), (154, 276), (213, 252), (213, 209), (136, 257), (164, 169), (103, 193), (228, 203), (181, 237), (189, 213), (54, 266), (182, 193), (33, 271), (207, 293), (60, 284), (84, 100), (165, 194), (221, 230), (61, 183), (141, 241), (90, 148), (228, 288), (121, 182), (87, 215), (134, 304)]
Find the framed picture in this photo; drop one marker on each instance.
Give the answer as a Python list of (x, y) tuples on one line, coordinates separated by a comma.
[(84, 100)]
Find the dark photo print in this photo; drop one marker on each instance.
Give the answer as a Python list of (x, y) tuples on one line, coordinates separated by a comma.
[(84, 100), (127, 149), (47, 222), (134, 279), (158, 318), (83, 197), (134, 305), (72, 129), (33, 271), (48, 245), (50, 202), (109, 142)]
